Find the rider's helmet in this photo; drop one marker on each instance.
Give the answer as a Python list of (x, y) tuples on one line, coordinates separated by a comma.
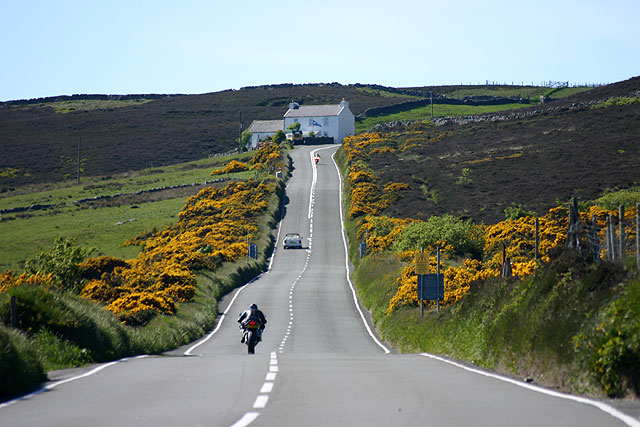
[(253, 307)]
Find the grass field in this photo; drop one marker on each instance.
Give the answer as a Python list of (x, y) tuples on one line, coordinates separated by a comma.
[(439, 110), (105, 228), (106, 224), (145, 179)]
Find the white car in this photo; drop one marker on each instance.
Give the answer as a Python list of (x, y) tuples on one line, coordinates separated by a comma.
[(292, 240)]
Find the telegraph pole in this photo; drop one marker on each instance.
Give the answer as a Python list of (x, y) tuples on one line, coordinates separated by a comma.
[(240, 134), (431, 95)]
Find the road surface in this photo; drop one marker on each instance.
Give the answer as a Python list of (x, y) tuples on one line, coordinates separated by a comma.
[(319, 363)]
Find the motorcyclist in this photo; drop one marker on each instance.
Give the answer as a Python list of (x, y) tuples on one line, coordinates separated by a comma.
[(252, 313)]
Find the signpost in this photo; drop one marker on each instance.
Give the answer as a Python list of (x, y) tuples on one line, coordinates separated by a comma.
[(253, 251), (430, 286)]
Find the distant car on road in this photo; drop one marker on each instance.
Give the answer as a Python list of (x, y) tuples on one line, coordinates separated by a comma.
[(292, 240)]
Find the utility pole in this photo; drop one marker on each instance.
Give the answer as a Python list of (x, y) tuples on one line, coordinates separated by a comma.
[(431, 95), (240, 133)]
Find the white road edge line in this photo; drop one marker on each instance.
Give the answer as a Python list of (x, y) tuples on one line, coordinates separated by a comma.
[(346, 250), (68, 380), (628, 420)]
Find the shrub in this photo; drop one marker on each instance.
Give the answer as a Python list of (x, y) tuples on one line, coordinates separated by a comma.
[(465, 237), (62, 261), (279, 136), (517, 211), (231, 167)]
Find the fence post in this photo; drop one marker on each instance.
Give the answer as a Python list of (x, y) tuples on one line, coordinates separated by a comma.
[(623, 249), (611, 244), (537, 252), (594, 239), (638, 236), (438, 280)]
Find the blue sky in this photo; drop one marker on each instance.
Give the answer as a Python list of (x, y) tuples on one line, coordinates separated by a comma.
[(60, 47)]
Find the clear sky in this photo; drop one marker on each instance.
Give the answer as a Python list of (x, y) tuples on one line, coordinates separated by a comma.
[(64, 47)]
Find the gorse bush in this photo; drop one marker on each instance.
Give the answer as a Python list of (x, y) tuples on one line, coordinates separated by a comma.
[(231, 167)]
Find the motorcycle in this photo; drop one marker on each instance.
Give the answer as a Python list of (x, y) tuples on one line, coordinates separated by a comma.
[(251, 335)]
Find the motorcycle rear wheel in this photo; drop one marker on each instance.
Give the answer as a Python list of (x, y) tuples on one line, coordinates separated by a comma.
[(252, 340)]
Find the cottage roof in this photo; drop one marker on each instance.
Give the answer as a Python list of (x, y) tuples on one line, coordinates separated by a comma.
[(314, 111), (260, 126)]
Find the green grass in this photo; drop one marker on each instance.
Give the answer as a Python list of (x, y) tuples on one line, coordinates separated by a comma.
[(532, 92), (145, 179), (383, 93), (105, 228), (521, 328), (439, 110)]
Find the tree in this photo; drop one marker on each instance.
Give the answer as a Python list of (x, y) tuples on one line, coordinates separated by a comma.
[(279, 136), (295, 126), (245, 140)]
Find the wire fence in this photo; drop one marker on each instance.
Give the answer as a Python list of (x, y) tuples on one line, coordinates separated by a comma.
[(612, 238)]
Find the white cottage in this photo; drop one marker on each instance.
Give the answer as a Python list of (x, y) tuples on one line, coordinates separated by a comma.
[(261, 129), (335, 121)]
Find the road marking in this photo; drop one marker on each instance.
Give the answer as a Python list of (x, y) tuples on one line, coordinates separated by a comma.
[(68, 380), (271, 376), (628, 420), (266, 387), (346, 250), (247, 419), (261, 402)]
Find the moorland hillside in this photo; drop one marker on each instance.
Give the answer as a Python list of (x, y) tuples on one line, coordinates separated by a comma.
[(536, 157), (39, 138)]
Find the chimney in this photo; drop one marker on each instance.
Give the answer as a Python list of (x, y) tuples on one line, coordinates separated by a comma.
[(344, 104), (293, 105)]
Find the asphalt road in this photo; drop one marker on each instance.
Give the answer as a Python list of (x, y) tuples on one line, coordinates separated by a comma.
[(319, 363)]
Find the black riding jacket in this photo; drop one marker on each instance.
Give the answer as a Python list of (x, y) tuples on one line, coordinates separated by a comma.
[(247, 314)]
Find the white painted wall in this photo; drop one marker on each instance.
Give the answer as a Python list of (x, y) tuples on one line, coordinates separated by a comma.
[(338, 127)]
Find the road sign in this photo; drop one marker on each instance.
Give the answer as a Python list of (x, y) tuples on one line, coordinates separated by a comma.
[(279, 167), (431, 287), (422, 263), (253, 251)]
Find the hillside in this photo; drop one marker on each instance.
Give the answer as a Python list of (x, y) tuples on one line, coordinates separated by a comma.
[(476, 166), (39, 138), (550, 316), (119, 133)]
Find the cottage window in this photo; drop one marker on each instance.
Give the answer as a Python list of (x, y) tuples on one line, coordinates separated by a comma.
[(325, 121)]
